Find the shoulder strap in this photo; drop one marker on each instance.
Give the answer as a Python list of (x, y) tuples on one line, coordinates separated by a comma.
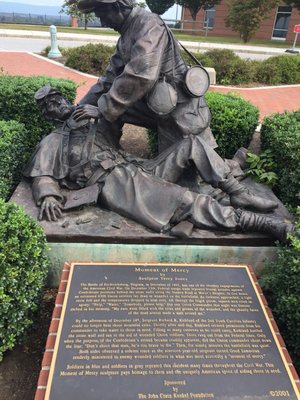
[(191, 55), (171, 35), (87, 148), (172, 38)]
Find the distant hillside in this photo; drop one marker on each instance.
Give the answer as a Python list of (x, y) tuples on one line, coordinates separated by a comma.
[(6, 7)]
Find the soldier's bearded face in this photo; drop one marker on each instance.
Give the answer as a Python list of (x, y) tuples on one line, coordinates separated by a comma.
[(57, 107), (110, 16)]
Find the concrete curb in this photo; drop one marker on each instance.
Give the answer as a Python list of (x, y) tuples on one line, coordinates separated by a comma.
[(62, 65)]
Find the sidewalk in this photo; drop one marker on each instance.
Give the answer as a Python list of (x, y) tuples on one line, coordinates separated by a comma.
[(268, 99), (112, 39), (29, 64)]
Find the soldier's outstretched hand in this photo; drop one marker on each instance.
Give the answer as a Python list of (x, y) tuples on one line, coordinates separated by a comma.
[(51, 208)]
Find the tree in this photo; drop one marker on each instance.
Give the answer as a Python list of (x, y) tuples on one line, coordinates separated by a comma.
[(293, 3), (194, 6), (159, 6), (70, 7), (246, 16)]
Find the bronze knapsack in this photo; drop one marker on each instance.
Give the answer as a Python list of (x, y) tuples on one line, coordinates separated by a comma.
[(162, 99)]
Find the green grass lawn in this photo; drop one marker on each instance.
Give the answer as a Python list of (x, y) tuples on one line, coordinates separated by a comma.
[(230, 40), (179, 35), (45, 28)]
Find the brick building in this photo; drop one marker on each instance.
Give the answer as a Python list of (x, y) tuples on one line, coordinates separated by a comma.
[(279, 25)]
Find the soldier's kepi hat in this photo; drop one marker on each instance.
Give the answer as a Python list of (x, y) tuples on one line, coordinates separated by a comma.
[(87, 6), (44, 92)]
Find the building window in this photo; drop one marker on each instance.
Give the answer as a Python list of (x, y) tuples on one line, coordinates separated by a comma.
[(209, 18), (282, 21)]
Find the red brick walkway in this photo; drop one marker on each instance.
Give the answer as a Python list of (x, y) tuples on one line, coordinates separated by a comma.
[(268, 100), (28, 64)]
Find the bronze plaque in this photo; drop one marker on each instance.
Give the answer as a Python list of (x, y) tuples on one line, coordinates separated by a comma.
[(167, 331)]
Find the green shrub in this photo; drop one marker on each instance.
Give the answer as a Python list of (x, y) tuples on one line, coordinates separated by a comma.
[(23, 268), (230, 68), (267, 74), (222, 60), (17, 102), (201, 57), (279, 70), (13, 153), (241, 72), (233, 70), (46, 50), (281, 134), (233, 123), (281, 284), (92, 58)]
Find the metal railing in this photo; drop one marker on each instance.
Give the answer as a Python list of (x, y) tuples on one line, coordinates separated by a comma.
[(64, 20), (34, 19), (196, 26)]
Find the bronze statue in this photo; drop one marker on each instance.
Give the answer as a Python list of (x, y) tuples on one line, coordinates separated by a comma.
[(147, 65), (77, 155)]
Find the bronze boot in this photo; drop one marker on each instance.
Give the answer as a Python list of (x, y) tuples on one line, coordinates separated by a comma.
[(251, 222), (242, 197)]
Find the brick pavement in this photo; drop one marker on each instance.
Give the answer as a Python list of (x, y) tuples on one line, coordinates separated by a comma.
[(267, 99), (29, 64)]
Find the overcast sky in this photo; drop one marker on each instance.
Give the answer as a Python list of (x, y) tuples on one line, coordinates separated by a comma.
[(39, 2)]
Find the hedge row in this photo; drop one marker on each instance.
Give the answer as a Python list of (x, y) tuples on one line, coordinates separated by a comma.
[(23, 269), (233, 123), (281, 134), (281, 280), (230, 68), (91, 58), (233, 70), (14, 151)]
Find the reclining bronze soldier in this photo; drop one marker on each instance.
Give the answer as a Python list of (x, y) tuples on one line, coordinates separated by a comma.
[(77, 155)]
